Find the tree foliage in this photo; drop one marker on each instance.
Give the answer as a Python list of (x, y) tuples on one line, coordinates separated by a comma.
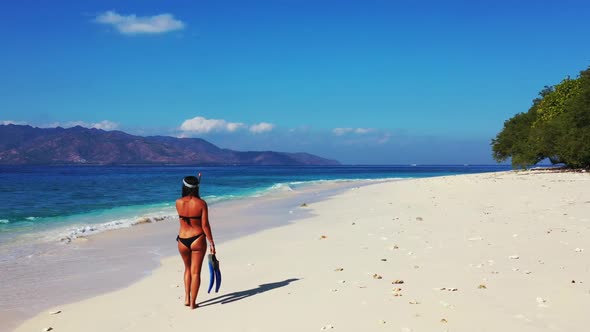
[(557, 127)]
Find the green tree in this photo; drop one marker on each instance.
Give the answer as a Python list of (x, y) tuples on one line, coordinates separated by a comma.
[(573, 127), (513, 141), (557, 127)]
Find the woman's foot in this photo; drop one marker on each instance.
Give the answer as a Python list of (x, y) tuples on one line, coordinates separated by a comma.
[(194, 306), (186, 301)]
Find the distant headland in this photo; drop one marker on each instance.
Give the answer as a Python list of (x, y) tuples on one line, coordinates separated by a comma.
[(26, 145)]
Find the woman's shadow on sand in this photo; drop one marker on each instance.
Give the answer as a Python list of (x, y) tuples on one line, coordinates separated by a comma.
[(236, 296)]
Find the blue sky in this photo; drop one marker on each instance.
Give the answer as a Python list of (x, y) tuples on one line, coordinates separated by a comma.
[(370, 82)]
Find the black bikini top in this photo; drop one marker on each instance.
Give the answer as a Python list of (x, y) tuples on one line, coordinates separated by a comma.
[(188, 218)]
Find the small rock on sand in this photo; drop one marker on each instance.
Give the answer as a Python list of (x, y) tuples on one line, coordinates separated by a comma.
[(55, 312), (327, 327), (323, 237), (444, 320), (397, 282), (339, 269), (419, 219), (303, 205), (376, 276), (579, 250), (47, 329), (514, 257), (482, 286)]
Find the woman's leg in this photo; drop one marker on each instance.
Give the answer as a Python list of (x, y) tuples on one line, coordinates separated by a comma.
[(199, 248), (185, 253)]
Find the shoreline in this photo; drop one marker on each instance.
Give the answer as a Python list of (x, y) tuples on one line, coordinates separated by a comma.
[(120, 254)]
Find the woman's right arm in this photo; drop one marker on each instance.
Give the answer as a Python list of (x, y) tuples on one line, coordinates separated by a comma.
[(207, 228)]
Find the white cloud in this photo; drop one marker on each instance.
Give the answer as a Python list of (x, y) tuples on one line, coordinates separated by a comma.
[(261, 127), (134, 25), (201, 125), (384, 139), (104, 125), (9, 122), (343, 131), (362, 131)]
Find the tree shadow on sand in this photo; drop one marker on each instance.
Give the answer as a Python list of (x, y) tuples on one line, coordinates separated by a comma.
[(236, 296)]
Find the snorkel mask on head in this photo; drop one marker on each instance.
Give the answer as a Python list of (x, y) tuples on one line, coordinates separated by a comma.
[(192, 185)]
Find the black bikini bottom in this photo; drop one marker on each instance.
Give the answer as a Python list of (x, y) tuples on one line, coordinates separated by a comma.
[(188, 241)]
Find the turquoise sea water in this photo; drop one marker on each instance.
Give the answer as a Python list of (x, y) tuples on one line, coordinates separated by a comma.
[(82, 200)]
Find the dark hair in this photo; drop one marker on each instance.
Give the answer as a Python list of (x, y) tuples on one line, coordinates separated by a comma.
[(193, 181)]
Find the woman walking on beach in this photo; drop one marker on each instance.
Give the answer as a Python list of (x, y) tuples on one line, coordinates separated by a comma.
[(194, 228)]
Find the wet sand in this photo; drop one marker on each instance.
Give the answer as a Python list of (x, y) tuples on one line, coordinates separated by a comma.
[(488, 252)]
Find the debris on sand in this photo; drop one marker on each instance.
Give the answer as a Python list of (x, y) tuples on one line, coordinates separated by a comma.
[(397, 282), (339, 269), (450, 289), (376, 276), (541, 302)]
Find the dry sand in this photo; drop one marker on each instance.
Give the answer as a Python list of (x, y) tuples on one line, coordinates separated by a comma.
[(488, 252)]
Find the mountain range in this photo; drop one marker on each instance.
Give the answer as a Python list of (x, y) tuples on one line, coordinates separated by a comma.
[(26, 145)]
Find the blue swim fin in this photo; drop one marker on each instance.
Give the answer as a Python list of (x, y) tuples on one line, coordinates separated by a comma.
[(217, 274), (211, 272), (214, 273)]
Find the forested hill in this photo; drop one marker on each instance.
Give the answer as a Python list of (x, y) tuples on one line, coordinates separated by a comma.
[(26, 145)]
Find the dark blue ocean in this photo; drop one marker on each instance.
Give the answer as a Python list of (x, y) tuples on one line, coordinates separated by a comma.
[(90, 199)]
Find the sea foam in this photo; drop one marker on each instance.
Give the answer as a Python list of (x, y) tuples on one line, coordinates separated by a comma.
[(91, 229)]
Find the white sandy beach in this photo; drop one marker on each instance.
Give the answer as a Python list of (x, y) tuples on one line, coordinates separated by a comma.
[(488, 252)]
